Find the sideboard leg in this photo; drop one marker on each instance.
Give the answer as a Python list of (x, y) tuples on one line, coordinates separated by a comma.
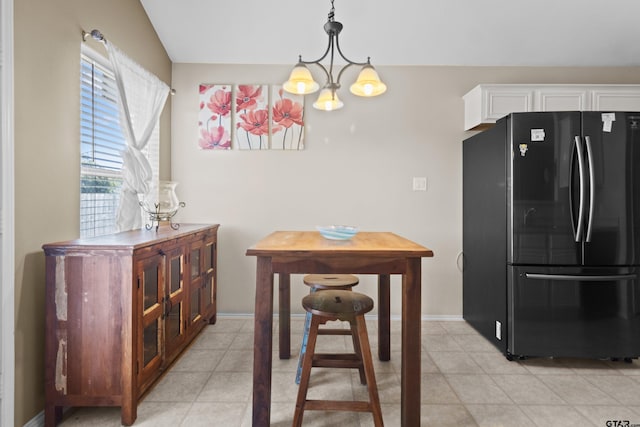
[(52, 415)]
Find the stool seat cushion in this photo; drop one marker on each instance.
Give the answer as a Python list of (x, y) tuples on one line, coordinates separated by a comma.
[(331, 303), (329, 281)]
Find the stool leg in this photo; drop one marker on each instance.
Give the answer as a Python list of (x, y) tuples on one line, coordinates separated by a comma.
[(305, 336), (367, 361), (357, 350), (303, 347), (307, 362)]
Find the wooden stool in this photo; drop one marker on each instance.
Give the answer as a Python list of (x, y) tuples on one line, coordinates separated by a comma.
[(319, 282), (350, 307)]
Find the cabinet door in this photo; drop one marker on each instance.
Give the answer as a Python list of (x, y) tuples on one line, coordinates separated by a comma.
[(485, 104), (616, 99), (174, 300), (150, 283), (196, 255), (208, 297), (562, 99)]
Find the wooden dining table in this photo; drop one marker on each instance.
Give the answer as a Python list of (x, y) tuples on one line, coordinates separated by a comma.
[(306, 252)]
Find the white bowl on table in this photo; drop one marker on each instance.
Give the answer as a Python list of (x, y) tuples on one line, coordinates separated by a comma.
[(337, 232)]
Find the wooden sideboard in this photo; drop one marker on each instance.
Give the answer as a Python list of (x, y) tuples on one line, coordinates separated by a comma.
[(119, 310)]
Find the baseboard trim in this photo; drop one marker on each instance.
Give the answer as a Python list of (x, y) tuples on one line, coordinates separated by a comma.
[(37, 421), (426, 317)]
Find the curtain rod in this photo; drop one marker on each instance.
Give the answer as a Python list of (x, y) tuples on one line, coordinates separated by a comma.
[(96, 34)]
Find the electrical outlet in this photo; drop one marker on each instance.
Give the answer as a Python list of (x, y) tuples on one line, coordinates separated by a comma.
[(499, 330), (419, 183)]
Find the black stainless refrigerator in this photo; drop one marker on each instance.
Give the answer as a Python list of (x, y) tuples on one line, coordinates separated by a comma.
[(551, 234)]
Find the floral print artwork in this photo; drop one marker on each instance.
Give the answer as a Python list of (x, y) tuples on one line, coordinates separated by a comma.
[(214, 119), (287, 120), (252, 117)]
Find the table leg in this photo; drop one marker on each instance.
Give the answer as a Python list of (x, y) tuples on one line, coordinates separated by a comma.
[(384, 317), (411, 344), (262, 343), (284, 321)]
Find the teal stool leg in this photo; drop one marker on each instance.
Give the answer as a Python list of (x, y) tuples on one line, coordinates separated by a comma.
[(303, 348)]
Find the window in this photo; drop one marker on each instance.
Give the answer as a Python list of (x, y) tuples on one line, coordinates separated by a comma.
[(101, 146)]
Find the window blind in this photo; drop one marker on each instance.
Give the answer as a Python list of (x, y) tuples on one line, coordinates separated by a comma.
[(101, 146)]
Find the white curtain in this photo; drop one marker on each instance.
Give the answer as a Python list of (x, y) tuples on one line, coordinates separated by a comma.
[(142, 97)]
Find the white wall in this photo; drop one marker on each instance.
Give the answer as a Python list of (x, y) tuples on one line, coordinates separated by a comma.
[(357, 169)]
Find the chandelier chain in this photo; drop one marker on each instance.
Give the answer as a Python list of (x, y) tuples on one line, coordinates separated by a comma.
[(332, 12)]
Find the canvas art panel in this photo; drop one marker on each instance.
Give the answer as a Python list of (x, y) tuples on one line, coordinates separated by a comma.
[(287, 123), (215, 118), (252, 117)]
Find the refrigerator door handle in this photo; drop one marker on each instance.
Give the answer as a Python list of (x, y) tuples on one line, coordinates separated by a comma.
[(592, 187), (582, 278), (580, 153), (572, 184)]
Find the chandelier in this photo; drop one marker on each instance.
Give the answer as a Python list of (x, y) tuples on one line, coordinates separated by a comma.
[(301, 81)]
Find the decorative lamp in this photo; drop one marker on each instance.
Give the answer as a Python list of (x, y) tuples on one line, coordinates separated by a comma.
[(161, 204), (301, 81)]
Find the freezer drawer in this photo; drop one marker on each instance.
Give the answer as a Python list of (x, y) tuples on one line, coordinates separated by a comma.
[(573, 312)]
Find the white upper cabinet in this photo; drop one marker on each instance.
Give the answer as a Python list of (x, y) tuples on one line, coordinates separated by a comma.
[(485, 104)]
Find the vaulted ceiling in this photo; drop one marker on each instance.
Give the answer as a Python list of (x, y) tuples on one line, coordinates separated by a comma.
[(402, 32)]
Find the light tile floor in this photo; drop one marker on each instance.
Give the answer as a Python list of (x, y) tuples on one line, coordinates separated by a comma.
[(465, 382)]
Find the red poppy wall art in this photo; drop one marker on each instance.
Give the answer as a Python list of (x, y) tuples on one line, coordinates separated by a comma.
[(287, 125), (215, 118), (252, 117)]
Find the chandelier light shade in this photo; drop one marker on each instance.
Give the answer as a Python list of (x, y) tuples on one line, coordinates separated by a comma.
[(328, 100), (301, 81), (368, 83)]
